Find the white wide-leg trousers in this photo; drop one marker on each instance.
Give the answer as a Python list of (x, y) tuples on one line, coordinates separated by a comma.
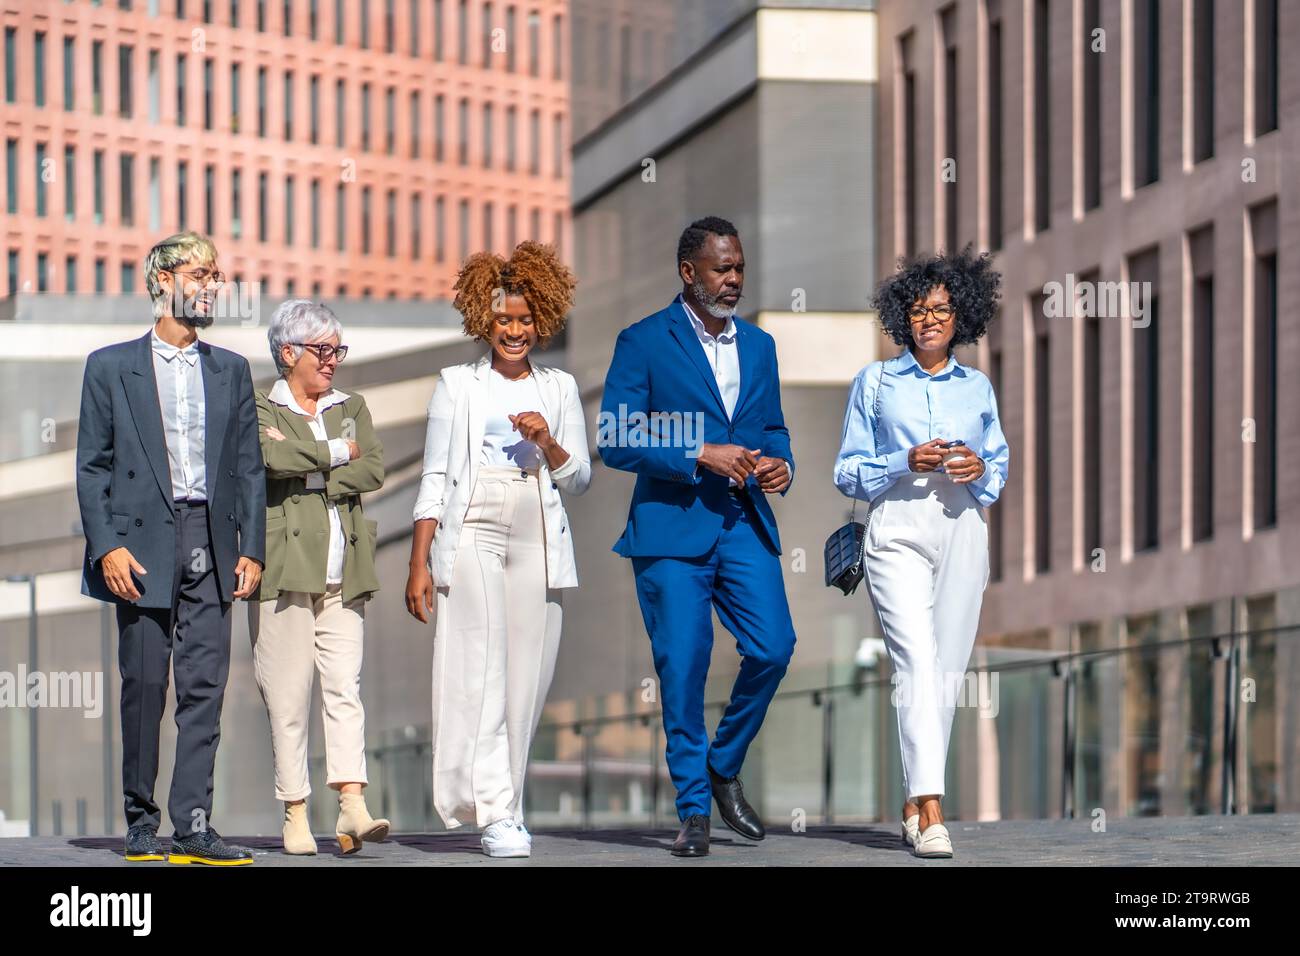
[(927, 564)]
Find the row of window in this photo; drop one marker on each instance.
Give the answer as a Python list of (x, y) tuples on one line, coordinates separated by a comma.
[(130, 278), (413, 108), (1046, 124), (497, 39), (1259, 430)]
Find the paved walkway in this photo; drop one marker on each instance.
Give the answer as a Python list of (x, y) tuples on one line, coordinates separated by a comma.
[(1265, 839)]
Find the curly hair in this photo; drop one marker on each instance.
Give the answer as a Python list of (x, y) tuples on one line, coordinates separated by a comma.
[(534, 271), (974, 288)]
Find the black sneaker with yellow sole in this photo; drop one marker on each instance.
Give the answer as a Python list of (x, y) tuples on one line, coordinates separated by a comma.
[(207, 847)]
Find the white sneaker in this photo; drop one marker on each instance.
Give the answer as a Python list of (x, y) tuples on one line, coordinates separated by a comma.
[(503, 838), (519, 825)]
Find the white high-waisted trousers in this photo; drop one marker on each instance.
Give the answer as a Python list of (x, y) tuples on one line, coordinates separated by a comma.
[(495, 642), (927, 564)]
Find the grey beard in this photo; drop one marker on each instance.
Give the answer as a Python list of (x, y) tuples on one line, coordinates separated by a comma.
[(711, 304)]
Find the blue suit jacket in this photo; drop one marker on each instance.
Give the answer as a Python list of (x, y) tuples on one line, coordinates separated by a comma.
[(124, 485), (659, 366)]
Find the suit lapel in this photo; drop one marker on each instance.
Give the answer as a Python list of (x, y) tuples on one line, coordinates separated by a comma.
[(684, 332), (142, 395), (747, 349), (216, 401), (477, 398)]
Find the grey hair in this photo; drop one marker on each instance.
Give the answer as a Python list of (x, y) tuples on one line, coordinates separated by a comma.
[(171, 252), (300, 320)]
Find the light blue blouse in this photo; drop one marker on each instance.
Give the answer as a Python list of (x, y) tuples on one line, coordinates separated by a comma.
[(957, 402)]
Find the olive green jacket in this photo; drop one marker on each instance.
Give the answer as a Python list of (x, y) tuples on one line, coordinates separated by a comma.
[(297, 520)]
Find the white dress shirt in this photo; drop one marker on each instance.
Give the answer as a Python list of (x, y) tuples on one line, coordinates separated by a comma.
[(181, 400), (723, 355), (340, 454), (724, 358)]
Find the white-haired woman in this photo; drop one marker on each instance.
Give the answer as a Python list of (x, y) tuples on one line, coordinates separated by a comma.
[(321, 453)]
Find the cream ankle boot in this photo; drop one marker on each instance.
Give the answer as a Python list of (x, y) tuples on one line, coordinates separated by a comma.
[(297, 833), (355, 824)]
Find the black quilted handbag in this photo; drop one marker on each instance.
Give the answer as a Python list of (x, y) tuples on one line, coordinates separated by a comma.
[(846, 545)]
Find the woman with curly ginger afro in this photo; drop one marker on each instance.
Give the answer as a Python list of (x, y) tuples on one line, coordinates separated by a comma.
[(506, 435), (922, 442)]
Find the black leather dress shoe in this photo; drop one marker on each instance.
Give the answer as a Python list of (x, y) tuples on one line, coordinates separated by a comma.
[(693, 840), (142, 844), (734, 808), (206, 846)]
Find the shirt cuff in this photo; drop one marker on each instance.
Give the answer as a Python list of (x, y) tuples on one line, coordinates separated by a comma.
[(340, 453), (896, 463)]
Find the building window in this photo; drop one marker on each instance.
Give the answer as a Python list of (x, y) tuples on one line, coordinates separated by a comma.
[(437, 128), (11, 176), (437, 30), (911, 155), (365, 117), (390, 121), (557, 47), (535, 143), (415, 125), (69, 74), (97, 77), (234, 98), (340, 113), (289, 211), (439, 229), (510, 39), (261, 102), (1263, 225), (42, 201), (209, 198), (236, 204), (38, 67), (1145, 268), (1202, 80), (463, 229), (207, 93), (288, 105), (1266, 66), (286, 18), (462, 133), (182, 194), (125, 74), (365, 220), (181, 88), (512, 227), (313, 109), (263, 211), (534, 44), (69, 183), (487, 135), (417, 214), (1091, 106), (1042, 371), (1201, 255), (1093, 449), (101, 273), (11, 70), (413, 25), (313, 19), (462, 33), (42, 272), (487, 36), (510, 138), (995, 133), (340, 218), (126, 188), (1146, 92), (558, 143), (70, 275), (1042, 116), (951, 205), (315, 213), (340, 21), (155, 194), (365, 24), (128, 278), (97, 177), (488, 215)]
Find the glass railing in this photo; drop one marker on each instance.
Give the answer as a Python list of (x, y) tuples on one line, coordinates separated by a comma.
[(1172, 727)]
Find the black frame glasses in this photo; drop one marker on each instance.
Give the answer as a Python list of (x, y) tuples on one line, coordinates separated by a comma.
[(324, 351), (941, 312)]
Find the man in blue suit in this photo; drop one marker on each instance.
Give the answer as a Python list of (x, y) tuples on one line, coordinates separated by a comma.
[(172, 492), (692, 406)]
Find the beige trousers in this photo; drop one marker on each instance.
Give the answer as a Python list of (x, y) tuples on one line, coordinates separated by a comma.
[(296, 636), (495, 642)]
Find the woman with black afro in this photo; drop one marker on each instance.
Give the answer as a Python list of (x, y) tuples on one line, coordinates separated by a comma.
[(923, 444), (506, 435)]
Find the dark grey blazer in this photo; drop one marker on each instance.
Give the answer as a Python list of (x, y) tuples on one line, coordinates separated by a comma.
[(124, 483)]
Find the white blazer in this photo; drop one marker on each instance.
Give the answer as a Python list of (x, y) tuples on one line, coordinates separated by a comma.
[(453, 446)]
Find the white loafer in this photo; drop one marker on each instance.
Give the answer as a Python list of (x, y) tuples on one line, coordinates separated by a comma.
[(934, 843), (911, 827)]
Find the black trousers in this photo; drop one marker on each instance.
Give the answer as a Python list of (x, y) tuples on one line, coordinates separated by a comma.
[(196, 629)]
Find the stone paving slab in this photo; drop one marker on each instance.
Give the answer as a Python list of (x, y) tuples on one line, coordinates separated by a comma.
[(1259, 840)]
